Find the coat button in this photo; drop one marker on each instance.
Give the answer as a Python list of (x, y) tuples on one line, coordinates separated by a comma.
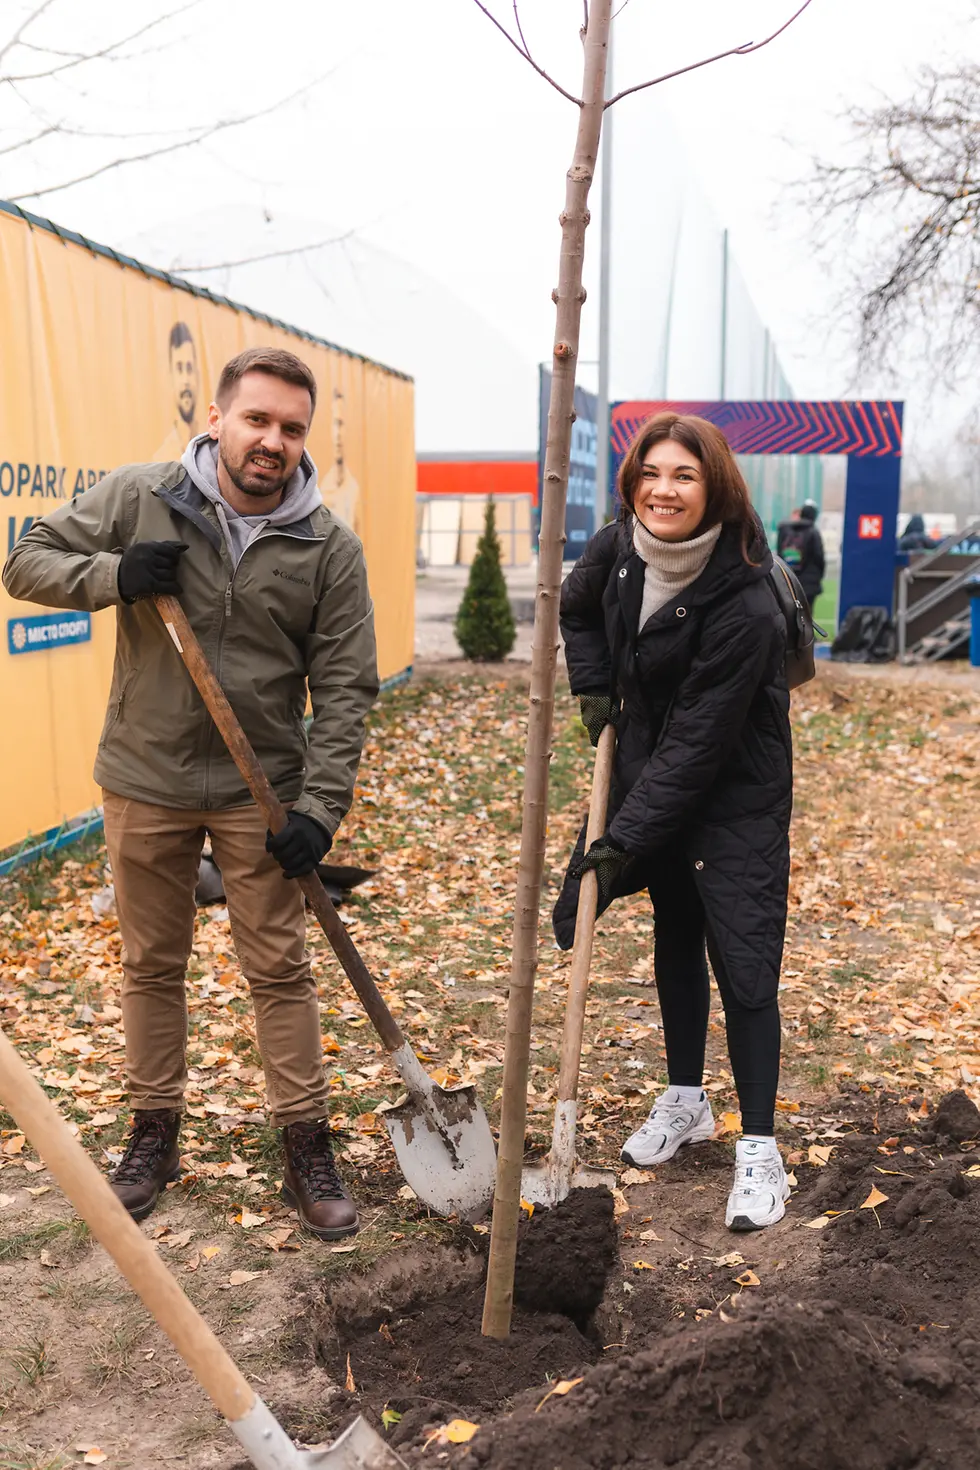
[(622, 573), (682, 612), (699, 865)]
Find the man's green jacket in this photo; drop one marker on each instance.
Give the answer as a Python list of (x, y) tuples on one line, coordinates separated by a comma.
[(294, 613)]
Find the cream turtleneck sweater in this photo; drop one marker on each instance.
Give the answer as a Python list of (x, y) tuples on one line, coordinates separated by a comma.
[(670, 565)]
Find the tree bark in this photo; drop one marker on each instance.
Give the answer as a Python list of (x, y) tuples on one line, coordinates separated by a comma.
[(568, 297)]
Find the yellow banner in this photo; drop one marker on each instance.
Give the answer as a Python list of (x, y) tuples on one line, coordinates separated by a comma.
[(104, 364)]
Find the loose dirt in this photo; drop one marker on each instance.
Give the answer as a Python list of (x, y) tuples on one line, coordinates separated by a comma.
[(817, 1348)]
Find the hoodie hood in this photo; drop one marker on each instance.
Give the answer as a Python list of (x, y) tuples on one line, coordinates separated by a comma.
[(301, 496)]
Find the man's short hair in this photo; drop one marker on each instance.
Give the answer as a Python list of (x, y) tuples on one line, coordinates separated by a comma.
[(180, 333), (272, 360), (808, 511)]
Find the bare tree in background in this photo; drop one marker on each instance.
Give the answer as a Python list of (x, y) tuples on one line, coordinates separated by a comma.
[(908, 206), (42, 86), (568, 296)]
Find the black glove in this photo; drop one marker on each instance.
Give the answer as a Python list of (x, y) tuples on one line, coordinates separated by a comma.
[(300, 845), (149, 567), (607, 860), (597, 712)]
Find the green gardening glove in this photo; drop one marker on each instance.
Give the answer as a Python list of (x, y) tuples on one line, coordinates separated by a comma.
[(597, 712)]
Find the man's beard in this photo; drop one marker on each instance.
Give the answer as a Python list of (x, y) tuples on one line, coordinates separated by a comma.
[(186, 412), (249, 484)]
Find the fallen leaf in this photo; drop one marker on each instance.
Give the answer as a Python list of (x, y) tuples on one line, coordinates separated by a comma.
[(643, 1266), (33, 1168), (209, 1252), (874, 1199), (973, 1172), (792, 1180), (650, 1235), (621, 1205), (637, 1176), (819, 1154), (820, 1223), (565, 1385), (95, 1456), (389, 1417), (461, 1431), (747, 1278), (239, 1278), (102, 1120), (6, 1200), (13, 1146), (37, 1190), (406, 1192), (249, 1221), (734, 1258), (349, 1383), (45, 1260), (728, 1123), (526, 1205)]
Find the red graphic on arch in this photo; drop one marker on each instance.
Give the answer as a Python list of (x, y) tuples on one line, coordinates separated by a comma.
[(870, 528)]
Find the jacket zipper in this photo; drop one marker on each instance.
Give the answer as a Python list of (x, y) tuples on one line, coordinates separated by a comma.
[(263, 535)]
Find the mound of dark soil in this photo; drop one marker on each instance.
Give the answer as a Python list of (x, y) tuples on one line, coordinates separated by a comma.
[(956, 1120), (782, 1385), (565, 1255)]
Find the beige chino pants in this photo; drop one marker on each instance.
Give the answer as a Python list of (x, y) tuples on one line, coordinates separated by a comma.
[(155, 852)]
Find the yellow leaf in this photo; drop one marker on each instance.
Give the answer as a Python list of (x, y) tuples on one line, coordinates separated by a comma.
[(643, 1266), (747, 1278), (249, 1221), (973, 1172), (209, 1252), (733, 1258), (637, 1176), (14, 1145), (239, 1278), (728, 1123), (564, 1386), (526, 1205), (621, 1204), (874, 1199), (389, 1417), (460, 1431), (102, 1120), (819, 1154), (820, 1223), (349, 1383)]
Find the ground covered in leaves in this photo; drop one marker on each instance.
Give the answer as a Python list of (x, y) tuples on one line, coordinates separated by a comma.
[(880, 1017)]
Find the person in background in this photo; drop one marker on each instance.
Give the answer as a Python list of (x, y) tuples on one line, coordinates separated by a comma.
[(800, 545), (915, 537), (673, 633)]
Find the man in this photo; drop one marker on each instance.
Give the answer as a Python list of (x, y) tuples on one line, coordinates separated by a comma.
[(185, 379), (800, 545), (276, 590)]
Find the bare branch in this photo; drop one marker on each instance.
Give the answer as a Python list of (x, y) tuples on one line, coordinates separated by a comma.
[(45, 132), (521, 52), (25, 25), (80, 58), (199, 137), (743, 50), (224, 265)]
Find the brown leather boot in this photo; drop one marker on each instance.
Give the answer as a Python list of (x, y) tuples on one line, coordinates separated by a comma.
[(151, 1160), (311, 1183)]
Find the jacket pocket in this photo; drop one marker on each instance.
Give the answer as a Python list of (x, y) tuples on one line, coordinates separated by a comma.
[(117, 707)]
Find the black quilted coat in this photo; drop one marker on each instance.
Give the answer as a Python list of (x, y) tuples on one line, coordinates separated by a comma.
[(704, 762)]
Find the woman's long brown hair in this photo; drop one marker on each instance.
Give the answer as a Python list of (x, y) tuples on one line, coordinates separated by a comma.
[(728, 499)]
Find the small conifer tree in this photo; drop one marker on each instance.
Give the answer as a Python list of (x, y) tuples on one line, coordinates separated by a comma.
[(484, 625)]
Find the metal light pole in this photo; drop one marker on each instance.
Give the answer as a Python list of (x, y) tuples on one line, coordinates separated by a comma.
[(724, 314), (605, 251)]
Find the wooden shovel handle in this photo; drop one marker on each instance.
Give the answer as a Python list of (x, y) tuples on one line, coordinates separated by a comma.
[(272, 809), (588, 902), (136, 1258)]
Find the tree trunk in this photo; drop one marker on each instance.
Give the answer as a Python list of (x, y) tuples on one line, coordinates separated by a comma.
[(568, 298)]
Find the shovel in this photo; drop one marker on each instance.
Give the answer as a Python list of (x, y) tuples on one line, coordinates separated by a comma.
[(548, 1182), (440, 1135), (263, 1438)]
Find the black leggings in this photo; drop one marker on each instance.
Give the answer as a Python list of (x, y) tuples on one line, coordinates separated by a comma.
[(681, 972)]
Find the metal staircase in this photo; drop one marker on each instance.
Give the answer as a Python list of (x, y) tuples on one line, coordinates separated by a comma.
[(934, 598)]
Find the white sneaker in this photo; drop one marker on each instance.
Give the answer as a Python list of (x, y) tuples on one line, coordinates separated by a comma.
[(669, 1125), (760, 1191)]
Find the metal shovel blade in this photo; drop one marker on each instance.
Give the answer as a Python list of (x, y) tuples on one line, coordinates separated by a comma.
[(359, 1448), (445, 1150), (559, 1172)]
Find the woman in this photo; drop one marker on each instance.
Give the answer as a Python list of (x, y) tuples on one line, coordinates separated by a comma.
[(673, 633)]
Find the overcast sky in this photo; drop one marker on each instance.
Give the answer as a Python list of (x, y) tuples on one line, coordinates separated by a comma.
[(417, 128)]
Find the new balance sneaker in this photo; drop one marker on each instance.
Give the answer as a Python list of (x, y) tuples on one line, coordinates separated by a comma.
[(760, 1191), (671, 1123)]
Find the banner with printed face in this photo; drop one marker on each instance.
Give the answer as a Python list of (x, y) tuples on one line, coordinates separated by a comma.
[(106, 364)]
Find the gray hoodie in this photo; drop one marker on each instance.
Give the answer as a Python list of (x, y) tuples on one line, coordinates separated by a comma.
[(300, 498)]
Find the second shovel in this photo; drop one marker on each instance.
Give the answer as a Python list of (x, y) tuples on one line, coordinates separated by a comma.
[(548, 1182)]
